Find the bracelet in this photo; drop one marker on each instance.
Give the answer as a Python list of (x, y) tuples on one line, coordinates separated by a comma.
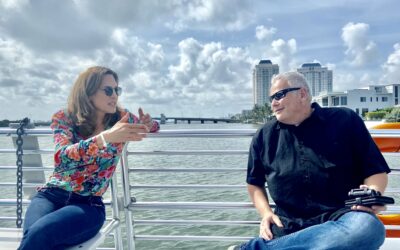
[(103, 140)]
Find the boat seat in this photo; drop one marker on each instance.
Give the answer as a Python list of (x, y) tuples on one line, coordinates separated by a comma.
[(392, 224), (392, 220), (390, 244), (10, 238)]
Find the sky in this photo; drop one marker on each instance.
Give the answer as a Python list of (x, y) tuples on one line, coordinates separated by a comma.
[(187, 58)]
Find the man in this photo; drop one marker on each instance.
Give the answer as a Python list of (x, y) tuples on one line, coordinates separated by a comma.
[(311, 157)]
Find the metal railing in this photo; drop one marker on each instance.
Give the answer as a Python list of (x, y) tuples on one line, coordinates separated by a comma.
[(131, 206), (112, 227)]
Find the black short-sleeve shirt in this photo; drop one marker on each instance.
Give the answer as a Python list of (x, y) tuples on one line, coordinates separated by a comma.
[(310, 168)]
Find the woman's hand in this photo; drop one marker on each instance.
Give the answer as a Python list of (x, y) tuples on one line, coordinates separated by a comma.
[(123, 131), (145, 119), (265, 225)]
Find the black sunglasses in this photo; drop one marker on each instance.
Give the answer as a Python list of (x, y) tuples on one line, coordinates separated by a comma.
[(109, 91), (281, 94)]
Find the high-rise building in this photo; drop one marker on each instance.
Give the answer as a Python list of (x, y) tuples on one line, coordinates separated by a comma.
[(262, 75), (319, 78)]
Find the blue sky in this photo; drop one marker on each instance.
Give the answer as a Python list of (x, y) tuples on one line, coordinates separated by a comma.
[(187, 58)]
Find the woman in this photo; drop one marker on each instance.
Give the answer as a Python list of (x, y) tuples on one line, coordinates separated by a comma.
[(89, 138)]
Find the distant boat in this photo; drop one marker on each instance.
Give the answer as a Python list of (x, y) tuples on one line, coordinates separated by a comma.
[(387, 144)]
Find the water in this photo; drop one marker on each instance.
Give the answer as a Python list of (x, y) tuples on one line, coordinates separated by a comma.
[(163, 161)]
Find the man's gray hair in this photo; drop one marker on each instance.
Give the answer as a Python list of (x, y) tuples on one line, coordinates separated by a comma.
[(294, 79)]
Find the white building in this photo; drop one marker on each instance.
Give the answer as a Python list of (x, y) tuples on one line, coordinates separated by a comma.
[(362, 100), (262, 75), (319, 78)]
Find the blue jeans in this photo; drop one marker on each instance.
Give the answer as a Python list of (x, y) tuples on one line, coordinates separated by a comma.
[(353, 230), (57, 218)]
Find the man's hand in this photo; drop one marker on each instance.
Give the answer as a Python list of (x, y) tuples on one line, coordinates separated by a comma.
[(372, 209), (265, 225)]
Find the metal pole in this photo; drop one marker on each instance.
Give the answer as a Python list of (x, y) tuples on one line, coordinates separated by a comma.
[(130, 234)]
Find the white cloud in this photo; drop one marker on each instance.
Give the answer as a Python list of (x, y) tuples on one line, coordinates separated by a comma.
[(12, 4), (223, 15), (210, 72), (392, 67), (283, 53), (264, 33), (360, 49), (344, 81), (367, 79), (53, 26), (331, 66)]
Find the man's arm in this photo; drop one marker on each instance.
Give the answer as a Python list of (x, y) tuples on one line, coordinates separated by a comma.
[(377, 182), (260, 200)]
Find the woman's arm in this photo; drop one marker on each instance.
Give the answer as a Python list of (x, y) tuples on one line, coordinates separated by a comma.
[(68, 153)]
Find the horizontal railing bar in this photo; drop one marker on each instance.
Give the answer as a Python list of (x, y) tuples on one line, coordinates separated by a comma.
[(158, 152), (13, 184), (161, 133), (12, 202), (198, 135), (213, 152), (195, 222), (190, 152), (11, 218), (193, 132), (161, 152), (220, 223), (28, 151), (189, 186), (192, 237), (27, 168), (395, 171), (207, 132), (190, 205), (195, 186), (34, 131), (186, 169), (391, 209)]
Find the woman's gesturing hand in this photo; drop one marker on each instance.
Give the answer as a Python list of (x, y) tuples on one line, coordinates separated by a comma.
[(123, 131), (145, 119)]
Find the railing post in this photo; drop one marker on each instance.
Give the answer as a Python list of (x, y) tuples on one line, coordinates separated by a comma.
[(115, 213), (130, 234)]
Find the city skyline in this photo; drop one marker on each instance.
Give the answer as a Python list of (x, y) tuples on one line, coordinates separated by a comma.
[(187, 58)]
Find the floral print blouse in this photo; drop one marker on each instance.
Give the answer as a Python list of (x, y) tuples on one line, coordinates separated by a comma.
[(80, 165)]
